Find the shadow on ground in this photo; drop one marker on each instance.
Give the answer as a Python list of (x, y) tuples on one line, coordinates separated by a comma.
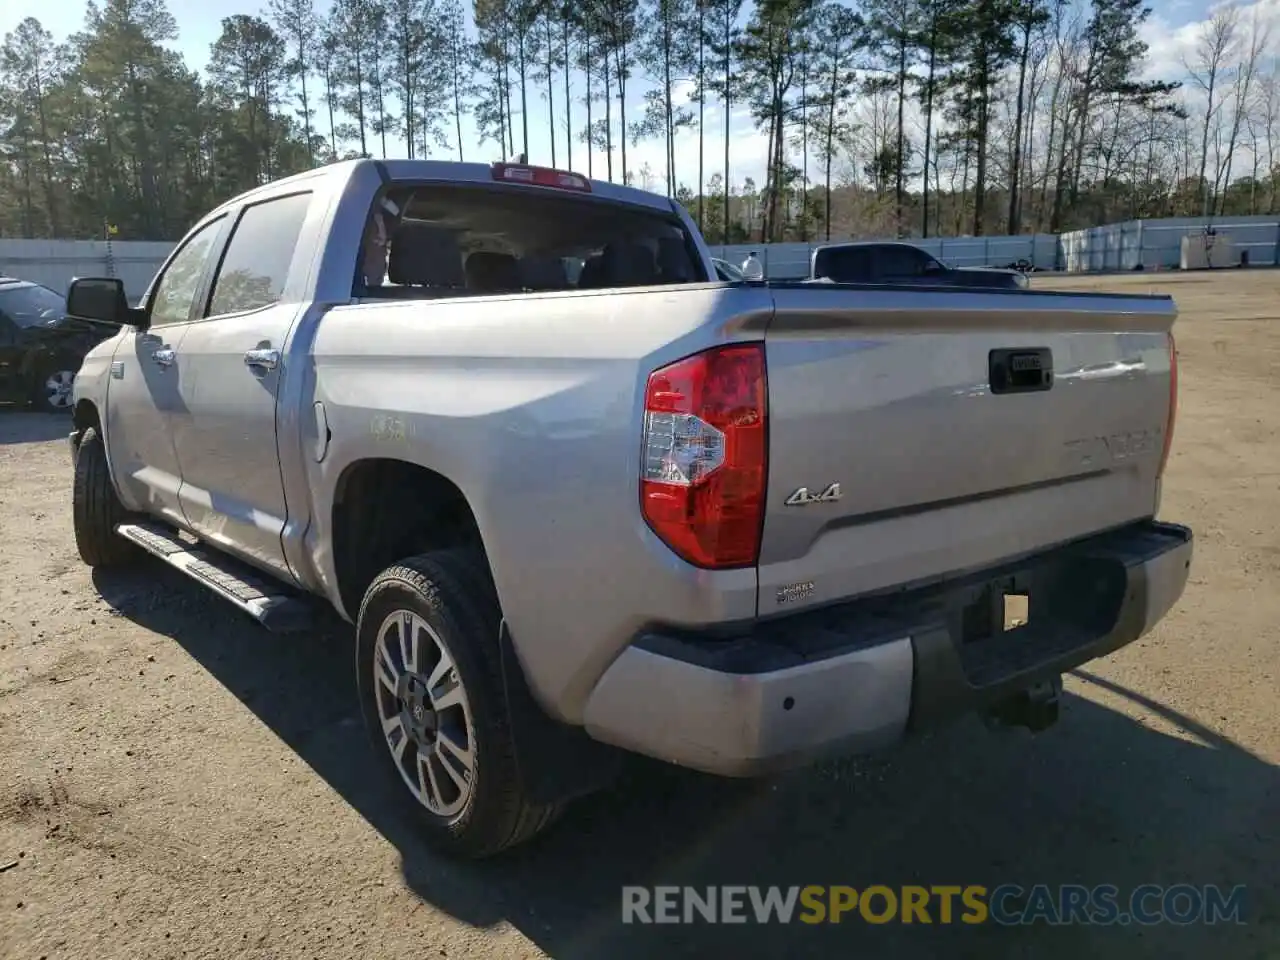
[(1100, 799), (17, 425)]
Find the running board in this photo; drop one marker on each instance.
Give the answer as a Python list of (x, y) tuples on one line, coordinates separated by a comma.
[(265, 600)]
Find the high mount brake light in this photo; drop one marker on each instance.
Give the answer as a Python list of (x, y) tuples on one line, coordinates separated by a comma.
[(706, 455), (1173, 404), (540, 176)]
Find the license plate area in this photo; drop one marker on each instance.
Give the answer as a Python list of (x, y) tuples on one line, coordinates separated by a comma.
[(1012, 622), (997, 608)]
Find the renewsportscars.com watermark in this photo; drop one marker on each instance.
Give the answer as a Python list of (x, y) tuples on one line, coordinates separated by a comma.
[(1007, 904)]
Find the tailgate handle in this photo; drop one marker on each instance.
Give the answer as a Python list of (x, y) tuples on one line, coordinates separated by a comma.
[(1020, 369)]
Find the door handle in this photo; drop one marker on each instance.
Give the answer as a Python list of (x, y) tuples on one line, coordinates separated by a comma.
[(266, 359), (164, 356)]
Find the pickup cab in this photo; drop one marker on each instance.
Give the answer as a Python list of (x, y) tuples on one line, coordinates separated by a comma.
[(580, 497), (887, 261)]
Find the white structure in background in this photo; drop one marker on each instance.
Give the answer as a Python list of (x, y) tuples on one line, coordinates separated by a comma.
[(752, 268), (1201, 251), (1157, 244), (55, 263)]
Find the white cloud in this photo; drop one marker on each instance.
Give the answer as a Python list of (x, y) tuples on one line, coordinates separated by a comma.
[(1172, 40)]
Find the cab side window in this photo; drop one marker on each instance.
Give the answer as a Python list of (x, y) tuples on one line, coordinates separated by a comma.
[(255, 267), (899, 263), (844, 264), (180, 282)]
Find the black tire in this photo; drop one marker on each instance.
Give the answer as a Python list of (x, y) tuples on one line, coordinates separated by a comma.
[(95, 508), (451, 591), (43, 397)]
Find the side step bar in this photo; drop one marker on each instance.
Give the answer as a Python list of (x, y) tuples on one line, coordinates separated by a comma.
[(257, 595)]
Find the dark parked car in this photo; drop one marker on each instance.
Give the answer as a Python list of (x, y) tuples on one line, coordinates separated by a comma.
[(899, 263), (40, 347)]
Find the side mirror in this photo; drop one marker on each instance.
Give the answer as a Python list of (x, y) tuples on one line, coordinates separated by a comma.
[(101, 299)]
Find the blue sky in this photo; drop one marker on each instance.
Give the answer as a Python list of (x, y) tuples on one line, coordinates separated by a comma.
[(1170, 34)]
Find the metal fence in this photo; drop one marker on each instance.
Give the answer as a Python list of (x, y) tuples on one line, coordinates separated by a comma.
[(1146, 244), (1157, 244), (55, 263)]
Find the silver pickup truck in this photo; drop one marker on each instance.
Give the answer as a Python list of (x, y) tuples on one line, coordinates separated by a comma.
[(580, 498)]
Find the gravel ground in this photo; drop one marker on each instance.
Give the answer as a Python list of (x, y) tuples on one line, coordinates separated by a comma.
[(176, 782)]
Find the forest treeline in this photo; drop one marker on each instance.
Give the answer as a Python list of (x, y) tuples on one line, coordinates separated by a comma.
[(877, 117)]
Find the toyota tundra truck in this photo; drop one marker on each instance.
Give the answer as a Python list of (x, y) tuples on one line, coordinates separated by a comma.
[(579, 497)]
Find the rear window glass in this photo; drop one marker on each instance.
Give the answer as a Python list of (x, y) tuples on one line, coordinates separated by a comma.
[(445, 241)]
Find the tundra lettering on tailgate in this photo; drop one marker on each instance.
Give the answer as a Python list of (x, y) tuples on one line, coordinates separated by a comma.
[(1115, 447)]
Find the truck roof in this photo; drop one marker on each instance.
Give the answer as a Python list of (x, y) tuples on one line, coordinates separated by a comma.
[(870, 243), (454, 171)]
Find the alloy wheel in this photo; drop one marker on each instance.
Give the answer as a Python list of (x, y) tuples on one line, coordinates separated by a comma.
[(425, 714)]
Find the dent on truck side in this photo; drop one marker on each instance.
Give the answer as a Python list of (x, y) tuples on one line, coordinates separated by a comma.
[(531, 406)]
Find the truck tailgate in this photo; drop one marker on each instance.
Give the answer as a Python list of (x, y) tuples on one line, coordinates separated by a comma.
[(958, 428)]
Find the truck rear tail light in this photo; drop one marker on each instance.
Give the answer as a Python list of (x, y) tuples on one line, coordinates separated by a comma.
[(1173, 403), (706, 455), (540, 176)]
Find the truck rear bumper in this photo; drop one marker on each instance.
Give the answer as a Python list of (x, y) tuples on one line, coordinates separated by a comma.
[(861, 675)]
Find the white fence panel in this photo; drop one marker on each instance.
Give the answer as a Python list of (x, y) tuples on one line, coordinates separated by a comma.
[(55, 263), (1157, 244)]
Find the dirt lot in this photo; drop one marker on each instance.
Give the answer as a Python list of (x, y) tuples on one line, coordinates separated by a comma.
[(175, 782)]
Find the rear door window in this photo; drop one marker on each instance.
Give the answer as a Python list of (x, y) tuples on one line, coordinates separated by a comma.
[(899, 263), (255, 268)]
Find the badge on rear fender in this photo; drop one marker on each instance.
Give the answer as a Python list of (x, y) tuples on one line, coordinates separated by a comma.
[(802, 497)]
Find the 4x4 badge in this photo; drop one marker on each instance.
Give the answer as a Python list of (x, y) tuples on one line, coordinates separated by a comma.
[(802, 497)]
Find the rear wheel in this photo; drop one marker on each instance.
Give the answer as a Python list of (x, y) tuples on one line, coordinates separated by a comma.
[(95, 508), (432, 697), (51, 390)]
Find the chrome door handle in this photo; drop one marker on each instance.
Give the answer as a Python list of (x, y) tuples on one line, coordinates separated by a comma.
[(164, 356), (266, 359)]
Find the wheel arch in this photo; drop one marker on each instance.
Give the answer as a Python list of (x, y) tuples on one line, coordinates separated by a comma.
[(385, 509), (85, 415)]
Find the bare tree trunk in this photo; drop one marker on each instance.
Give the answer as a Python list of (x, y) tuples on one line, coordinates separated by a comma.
[(328, 99), (621, 62), (568, 101), (930, 79), (586, 47), (1259, 38), (668, 123), (804, 154), (829, 153), (702, 106), (728, 98), (608, 121), (524, 94), (551, 95), (900, 160), (1015, 166)]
